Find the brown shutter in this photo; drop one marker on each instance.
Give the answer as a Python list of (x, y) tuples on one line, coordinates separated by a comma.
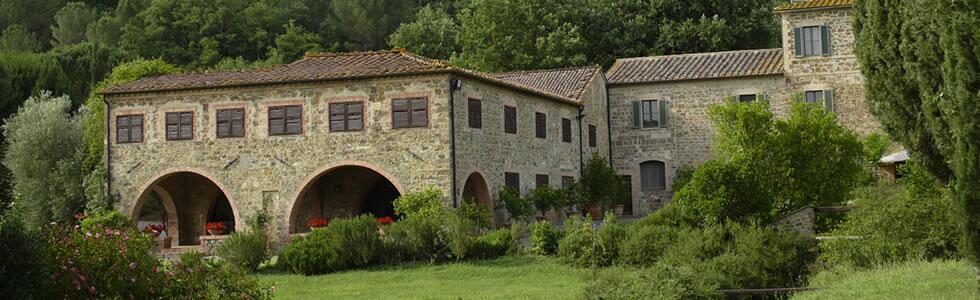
[(566, 130), (399, 113), (355, 116), (592, 136), (238, 122), (173, 125), (294, 119), (223, 121), (420, 113), (475, 113), (513, 181), (136, 128), (541, 180), (186, 126), (540, 126), (122, 129), (510, 119), (338, 116), (277, 120)]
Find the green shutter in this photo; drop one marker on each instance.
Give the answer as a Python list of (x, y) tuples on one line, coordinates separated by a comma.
[(637, 114), (828, 100), (825, 40), (798, 38), (664, 113)]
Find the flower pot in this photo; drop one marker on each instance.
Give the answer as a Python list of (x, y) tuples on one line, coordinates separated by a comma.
[(166, 242), (618, 208), (595, 209), (217, 232)]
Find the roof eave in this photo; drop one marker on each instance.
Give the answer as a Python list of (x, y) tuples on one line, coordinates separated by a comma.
[(612, 83), (787, 10)]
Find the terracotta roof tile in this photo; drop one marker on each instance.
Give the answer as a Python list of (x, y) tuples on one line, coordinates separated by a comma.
[(696, 66), (812, 4), (569, 82)]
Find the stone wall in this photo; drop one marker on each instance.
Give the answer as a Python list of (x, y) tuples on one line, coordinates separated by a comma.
[(687, 140), (270, 171)]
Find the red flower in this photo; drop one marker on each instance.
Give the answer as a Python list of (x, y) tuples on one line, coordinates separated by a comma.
[(215, 226), (152, 228), (318, 222), (384, 220)]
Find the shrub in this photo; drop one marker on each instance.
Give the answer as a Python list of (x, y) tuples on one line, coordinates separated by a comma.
[(670, 215), (460, 234), (725, 190), (345, 244), (644, 245), (544, 238), (600, 183), (582, 246), (109, 218), (23, 269), (493, 244), (209, 279), (416, 239), (518, 208), (246, 250), (476, 213), (424, 204), (912, 220), (653, 283), (546, 198)]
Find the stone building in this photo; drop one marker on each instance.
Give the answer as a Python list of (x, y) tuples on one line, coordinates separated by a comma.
[(336, 135)]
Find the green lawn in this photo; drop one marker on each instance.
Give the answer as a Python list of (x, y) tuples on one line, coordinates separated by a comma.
[(916, 280), (504, 278)]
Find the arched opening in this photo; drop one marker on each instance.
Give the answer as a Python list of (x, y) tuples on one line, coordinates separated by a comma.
[(476, 190), (344, 191), (189, 201)]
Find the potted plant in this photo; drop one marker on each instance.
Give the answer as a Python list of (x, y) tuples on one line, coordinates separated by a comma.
[(546, 198), (517, 207), (154, 229), (600, 186), (318, 222), (384, 220), (216, 228)]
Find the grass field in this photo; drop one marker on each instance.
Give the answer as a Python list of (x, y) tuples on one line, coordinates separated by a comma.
[(916, 280), (504, 278)]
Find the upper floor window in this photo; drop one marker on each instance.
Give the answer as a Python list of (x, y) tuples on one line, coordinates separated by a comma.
[(512, 181), (475, 110), (346, 116), (812, 41), (231, 122), (540, 125), (407, 113), (180, 126), (510, 119), (129, 129), (824, 98), (650, 114), (566, 130), (592, 135), (653, 175), (286, 120)]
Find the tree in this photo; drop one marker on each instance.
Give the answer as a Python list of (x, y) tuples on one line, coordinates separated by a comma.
[(600, 183), (368, 23), (432, 34), (922, 77), (17, 39), (294, 43), (44, 153), (71, 23), (36, 16)]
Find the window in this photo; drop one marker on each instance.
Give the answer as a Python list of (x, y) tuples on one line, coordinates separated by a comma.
[(540, 125), (129, 129), (592, 135), (407, 113), (346, 116), (540, 180), (510, 119), (180, 126), (567, 181), (812, 41), (650, 114), (231, 122), (566, 130), (475, 113), (824, 98), (512, 181), (747, 98), (286, 120), (653, 176)]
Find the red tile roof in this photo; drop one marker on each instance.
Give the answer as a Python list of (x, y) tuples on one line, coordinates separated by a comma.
[(696, 66), (561, 84), (814, 4), (569, 82)]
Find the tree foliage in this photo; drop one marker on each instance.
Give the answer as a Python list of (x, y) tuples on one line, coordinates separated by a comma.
[(368, 23), (16, 38), (71, 22), (432, 34)]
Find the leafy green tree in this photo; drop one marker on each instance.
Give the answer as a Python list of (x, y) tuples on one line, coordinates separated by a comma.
[(368, 23), (294, 43), (86, 64), (722, 190), (432, 34), (44, 153), (17, 39), (920, 62), (36, 16), (600, 183), (71, 23)]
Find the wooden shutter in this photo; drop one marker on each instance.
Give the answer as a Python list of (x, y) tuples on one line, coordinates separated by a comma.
[(566, 130), (828, 100), (186, 126), (510, 119), (637, 114), (277, 120), (592, 135), (238, 122), (338, 116), (172, 120), (231, 122), (122, 129), (513, 181), (540, 180), (540, 126), (798, 39), (223, 122), (475, 113), (136, 128), (420, 112), (355, 116), (825, 40), (664, 113), (399, 113), (294, 119)]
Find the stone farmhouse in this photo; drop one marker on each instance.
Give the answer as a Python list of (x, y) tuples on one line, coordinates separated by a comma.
[(335, 135)]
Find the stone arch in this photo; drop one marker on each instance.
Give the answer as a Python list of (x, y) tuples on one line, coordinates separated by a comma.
[(475, 187), (185, 235), (296, 208)]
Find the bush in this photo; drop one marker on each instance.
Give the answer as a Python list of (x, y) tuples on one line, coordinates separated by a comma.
[(653, 283), (246, 250), (23, 269), (670, 215), (108, 219), (416, 239), (478, 214), (544, 238), (912, 220), (725, 190), (546, 198), (461, 235), (582, 246), (494, 244), (423, 204), (644, 245), (208, 279), (345, 244), (518, 208), (600, 183)]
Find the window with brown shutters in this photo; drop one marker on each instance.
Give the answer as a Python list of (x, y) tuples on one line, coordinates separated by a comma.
[(510, 119), (129, 129), (475, 111), (512, 181), (180, 126), (540, 180), (540, 125), (406, 113), (567, 182), (592, 135), (231, 122), (566, 130), (346, 116), (286, 120)]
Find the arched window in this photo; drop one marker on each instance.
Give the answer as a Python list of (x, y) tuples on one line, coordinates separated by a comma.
[(653, 175)]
